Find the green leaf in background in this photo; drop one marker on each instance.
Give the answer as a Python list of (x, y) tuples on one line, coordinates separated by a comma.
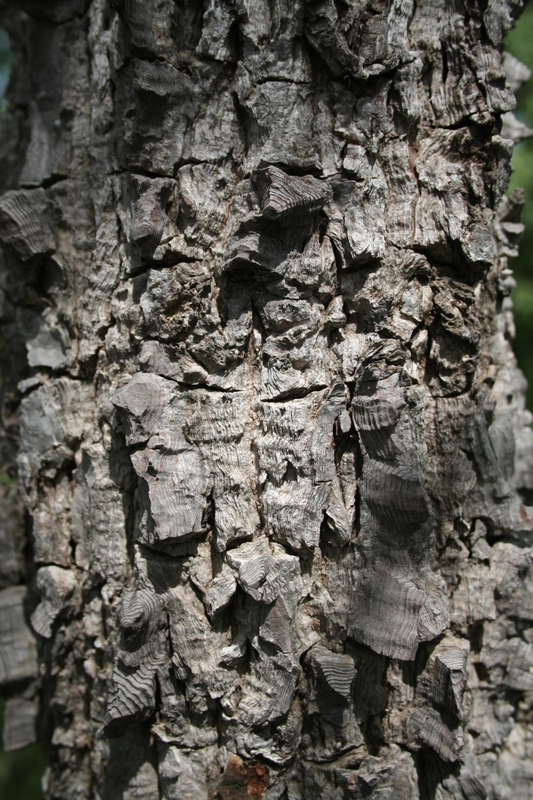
[(20, 772), (519, 42)]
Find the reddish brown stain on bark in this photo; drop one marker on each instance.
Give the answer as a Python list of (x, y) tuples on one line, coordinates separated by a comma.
[(524, 515), (242, 781)]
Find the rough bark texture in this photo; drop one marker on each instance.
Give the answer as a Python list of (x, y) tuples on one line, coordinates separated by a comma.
[(273, 455)]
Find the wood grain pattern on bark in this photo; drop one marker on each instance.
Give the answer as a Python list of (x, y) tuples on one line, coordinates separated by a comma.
[(274, 531)]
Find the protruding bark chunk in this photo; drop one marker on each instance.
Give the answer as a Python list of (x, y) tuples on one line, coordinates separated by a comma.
[(437, 719), (220, 591), (284, 195), (395, 494), (56, 586), (24, 226), (336, 669), (132, 698)]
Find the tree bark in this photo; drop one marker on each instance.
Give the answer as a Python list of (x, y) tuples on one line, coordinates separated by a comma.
[(273, 455)]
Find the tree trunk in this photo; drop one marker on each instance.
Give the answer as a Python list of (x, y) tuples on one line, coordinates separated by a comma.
[(273, 457)]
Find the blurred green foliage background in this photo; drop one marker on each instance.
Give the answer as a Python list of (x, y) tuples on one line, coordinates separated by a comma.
[(519, 42), (20, 773)]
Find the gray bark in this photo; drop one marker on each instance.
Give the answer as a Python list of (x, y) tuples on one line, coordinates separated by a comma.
[(274, 461)]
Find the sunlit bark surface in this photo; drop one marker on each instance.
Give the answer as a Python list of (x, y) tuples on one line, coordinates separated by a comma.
[(271, 536)]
